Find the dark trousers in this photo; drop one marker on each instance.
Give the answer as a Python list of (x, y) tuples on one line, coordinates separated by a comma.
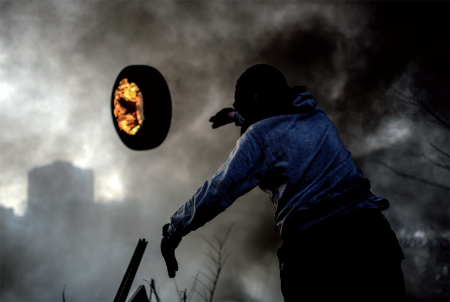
[(352, 257)]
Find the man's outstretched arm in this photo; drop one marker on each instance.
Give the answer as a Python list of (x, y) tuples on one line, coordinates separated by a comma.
[(238, 175), (226, 116)]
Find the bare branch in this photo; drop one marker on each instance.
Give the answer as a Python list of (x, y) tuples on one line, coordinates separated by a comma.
[(218, 261), (225, 258), (211, 255), (401, 94), (178, 291), (205, 275), (439, 150), (413, 177), (437, 164), (219, 242), (210, 269), (421, 102), (401, 100), (418, 101), (206, 286), (212, 258), (64, 293), (227, 234), (210, 244), (150, 291), (192, 289), (216, 280), (154, 291), (201, 295)]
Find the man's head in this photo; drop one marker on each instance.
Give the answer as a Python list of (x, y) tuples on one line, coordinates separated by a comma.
[(260, 87)]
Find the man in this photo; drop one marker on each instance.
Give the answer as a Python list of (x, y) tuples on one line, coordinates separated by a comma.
[(336, 243)]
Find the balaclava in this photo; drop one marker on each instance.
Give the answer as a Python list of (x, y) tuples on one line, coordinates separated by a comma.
[(262, 92)]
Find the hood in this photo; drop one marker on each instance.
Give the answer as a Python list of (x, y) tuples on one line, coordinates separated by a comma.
[(303, 103)]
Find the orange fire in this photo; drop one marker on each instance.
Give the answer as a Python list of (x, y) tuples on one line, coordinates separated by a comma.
[(128, 107)]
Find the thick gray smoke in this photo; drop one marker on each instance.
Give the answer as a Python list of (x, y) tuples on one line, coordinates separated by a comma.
[(380, 71)]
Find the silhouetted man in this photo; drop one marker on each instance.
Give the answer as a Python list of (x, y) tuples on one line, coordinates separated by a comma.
[(336, 243)]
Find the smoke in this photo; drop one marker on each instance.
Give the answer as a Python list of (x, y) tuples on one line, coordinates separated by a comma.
[(367, 64)]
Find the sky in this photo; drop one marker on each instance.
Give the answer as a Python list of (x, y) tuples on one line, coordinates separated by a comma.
[(379, 70)]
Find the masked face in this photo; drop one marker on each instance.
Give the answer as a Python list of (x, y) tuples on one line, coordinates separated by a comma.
[(242, 103)]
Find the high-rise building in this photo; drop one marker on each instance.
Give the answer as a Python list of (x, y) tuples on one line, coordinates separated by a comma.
[(59, 183)]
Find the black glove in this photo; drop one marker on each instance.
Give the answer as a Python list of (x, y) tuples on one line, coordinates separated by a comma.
[(168, 246), (221, 118)]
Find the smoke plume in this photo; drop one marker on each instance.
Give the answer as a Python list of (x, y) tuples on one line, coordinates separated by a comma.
[(379, 70)]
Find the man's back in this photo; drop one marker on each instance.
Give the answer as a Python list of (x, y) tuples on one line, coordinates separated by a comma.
[(304, 150)]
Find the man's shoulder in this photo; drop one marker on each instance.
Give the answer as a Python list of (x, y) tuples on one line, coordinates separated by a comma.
[(274, 122), (269, 128), (276, 125), (271, 122)]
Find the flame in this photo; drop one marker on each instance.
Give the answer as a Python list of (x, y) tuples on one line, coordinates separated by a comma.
[(128, 107)]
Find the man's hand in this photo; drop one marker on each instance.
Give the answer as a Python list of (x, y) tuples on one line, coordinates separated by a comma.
[(223, 117), (168, 246)]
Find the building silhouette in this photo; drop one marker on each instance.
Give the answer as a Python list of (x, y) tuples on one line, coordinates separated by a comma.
[(59, 183)]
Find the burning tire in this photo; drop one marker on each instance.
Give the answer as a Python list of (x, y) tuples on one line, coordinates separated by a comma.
[(141, 107)]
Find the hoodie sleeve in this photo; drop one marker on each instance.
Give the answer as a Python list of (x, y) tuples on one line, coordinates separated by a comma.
[(238, 175), (238, 120)]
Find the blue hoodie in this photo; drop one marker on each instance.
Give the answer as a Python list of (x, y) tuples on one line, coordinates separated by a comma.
[(298, 160)]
